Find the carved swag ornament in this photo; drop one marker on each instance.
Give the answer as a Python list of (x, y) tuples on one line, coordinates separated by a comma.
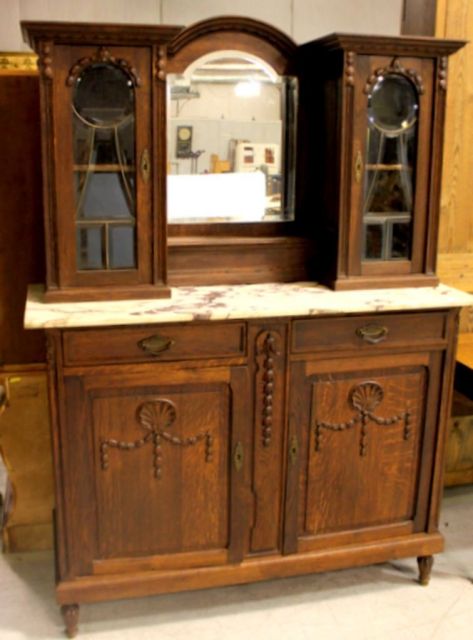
[(364, 398), (156, 416)]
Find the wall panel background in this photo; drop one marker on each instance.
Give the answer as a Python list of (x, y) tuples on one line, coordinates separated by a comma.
[(301, 19)]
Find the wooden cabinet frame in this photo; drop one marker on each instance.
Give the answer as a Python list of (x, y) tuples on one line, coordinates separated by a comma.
[(60, 48), (268, 386), (334, 115), (249, 386), (218, 253)]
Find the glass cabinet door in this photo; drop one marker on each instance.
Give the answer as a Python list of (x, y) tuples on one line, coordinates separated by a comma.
[(104, 170), (104, 138), (390, 165), (389, 181)]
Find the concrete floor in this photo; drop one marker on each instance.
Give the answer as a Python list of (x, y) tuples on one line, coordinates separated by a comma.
[(381, 602)]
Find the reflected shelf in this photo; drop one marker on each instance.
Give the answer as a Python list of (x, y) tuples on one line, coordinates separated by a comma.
[(388, 167), (115, 220), (103, 168)]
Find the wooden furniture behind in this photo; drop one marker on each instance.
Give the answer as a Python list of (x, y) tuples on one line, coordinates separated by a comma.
[(459, 449), (24, 414), (22, 234), (455, 263), (25, 446), (455, 20)]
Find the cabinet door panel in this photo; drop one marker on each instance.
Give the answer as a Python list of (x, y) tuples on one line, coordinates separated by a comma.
[(163, 475), (371, 467), (163, 495), (361, 432)]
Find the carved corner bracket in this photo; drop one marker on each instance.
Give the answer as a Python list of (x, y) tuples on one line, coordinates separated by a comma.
[(266, 350), (156, 416), (161, 63), (350, 68), (442, 73), (365, 398), (45, 60), (394, 68), (102, 55)]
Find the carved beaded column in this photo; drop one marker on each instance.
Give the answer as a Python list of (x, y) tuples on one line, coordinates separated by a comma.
[(269, 386), (266, 352)]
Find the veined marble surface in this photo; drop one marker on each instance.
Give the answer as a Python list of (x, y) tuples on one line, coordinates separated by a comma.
[(227, 302)]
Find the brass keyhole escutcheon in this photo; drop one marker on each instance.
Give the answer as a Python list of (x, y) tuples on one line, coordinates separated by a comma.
[(293, 450), (238, 456), (145, 166), (358, 167)]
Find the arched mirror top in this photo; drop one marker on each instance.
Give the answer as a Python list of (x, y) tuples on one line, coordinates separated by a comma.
[(230, 65), (245, 35)]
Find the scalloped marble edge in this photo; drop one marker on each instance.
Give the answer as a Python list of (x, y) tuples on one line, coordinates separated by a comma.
[(231, 302)]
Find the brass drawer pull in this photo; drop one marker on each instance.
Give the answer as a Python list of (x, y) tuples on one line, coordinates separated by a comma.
[(372, 333), (154, 345)]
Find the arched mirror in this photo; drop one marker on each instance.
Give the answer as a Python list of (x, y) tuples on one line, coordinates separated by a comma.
[(231, 137), (393, 105)]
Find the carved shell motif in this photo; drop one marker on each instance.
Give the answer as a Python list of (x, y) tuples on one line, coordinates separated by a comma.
[(366, 396), (156, 415)]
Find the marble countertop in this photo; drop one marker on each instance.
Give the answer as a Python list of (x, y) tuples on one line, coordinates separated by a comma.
[(225, 302)]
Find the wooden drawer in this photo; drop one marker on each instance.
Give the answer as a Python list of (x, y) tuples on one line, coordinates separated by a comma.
[(367, 331), (152, 343)]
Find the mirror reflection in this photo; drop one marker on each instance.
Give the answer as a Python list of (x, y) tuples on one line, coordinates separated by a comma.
[(230, 141)]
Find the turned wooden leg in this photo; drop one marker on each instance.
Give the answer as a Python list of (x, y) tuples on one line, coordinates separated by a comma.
[(70, 613), (425, 567)]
